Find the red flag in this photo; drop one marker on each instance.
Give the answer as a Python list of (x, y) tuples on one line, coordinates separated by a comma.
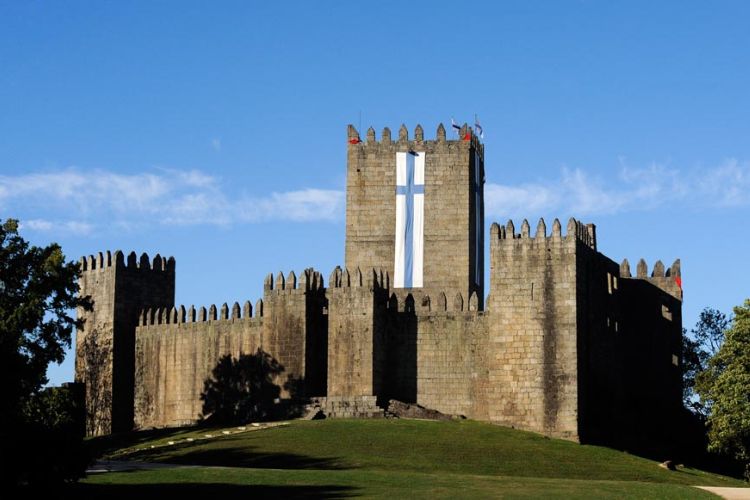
[(678, 280), (354, 140), (467, 136)]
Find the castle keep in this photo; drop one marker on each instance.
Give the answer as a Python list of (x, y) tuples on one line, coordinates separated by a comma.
[(562, 340)]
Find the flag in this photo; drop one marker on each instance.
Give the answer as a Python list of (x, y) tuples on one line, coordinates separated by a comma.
[(354, 140), (409, 250), (455, 125), (478, 127)]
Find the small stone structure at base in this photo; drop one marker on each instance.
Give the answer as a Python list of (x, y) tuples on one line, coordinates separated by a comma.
[(347, 407), (399, 409)]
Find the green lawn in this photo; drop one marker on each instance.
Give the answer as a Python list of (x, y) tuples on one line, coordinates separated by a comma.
[(396, 458)]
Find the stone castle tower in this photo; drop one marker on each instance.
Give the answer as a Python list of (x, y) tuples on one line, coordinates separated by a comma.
[(105, 347), (569, 343), (441, 210)]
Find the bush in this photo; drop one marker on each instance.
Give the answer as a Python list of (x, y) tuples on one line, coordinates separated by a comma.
[(45, 447)]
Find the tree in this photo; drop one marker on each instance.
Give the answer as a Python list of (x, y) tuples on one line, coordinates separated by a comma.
[(697, 348), (38, 290), (53, 448), (724, 387)]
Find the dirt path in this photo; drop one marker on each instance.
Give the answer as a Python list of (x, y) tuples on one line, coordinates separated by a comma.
[(728, 493)]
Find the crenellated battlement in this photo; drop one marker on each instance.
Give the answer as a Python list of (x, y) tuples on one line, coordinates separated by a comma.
[(466, 138), (424, 304), (309, 279), (419, 300), (659, 271), (105, 260), (668, 279), (576, 230), (179, 315), (341, 277)]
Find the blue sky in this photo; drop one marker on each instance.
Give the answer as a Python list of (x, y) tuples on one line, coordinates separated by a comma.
[(216, 132)]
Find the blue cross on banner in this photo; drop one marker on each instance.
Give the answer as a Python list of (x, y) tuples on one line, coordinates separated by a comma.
[(409, 251)]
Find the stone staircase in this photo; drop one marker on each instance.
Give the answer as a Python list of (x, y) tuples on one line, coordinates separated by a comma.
[(344, 407)]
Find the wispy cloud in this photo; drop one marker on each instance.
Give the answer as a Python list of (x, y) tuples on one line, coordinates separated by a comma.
[(38, 224), (578, 192), (76, 200), (216, 144), (71, 226)]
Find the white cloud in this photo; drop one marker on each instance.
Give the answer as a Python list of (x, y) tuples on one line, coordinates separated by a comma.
[(43, 225), (83, 198), (78, 201), (36, 224), (303, 205), (728, 185), (515, 200), (78, 227), (579, 192)]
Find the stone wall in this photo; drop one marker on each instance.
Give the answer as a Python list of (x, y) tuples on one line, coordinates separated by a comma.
[(173, 361), (533, 374), (450, 257), (106, 343), (564, 324), (177, 349), (644, 365), (599, 317), (94, 343), (453, 363), (355, 334), (295, 332)]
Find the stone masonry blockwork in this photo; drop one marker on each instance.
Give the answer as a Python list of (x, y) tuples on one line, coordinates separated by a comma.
[(566, 343)]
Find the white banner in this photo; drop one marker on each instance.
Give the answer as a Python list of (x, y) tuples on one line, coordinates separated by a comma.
[(409, 251)]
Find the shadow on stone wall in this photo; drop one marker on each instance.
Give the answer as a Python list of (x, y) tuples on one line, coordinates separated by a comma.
[(96, 352), (401, 372), (630, 384), (245, 389)]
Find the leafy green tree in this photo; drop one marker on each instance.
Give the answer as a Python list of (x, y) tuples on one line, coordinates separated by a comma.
[(53, 436), (697, 348), (58, 408), (38, 291), (724, 387)]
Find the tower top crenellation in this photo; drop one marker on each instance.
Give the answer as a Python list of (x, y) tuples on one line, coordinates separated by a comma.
[(466, 136)]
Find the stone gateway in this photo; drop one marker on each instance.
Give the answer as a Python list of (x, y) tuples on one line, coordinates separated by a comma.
[(565, 342)]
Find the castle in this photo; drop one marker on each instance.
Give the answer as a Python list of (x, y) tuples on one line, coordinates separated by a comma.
[(566, 342)]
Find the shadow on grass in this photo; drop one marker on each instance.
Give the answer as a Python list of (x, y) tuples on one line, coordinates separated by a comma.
[(234, 455), (203, 490)]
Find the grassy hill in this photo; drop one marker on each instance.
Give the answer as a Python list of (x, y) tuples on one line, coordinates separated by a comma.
[(343, 458)]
